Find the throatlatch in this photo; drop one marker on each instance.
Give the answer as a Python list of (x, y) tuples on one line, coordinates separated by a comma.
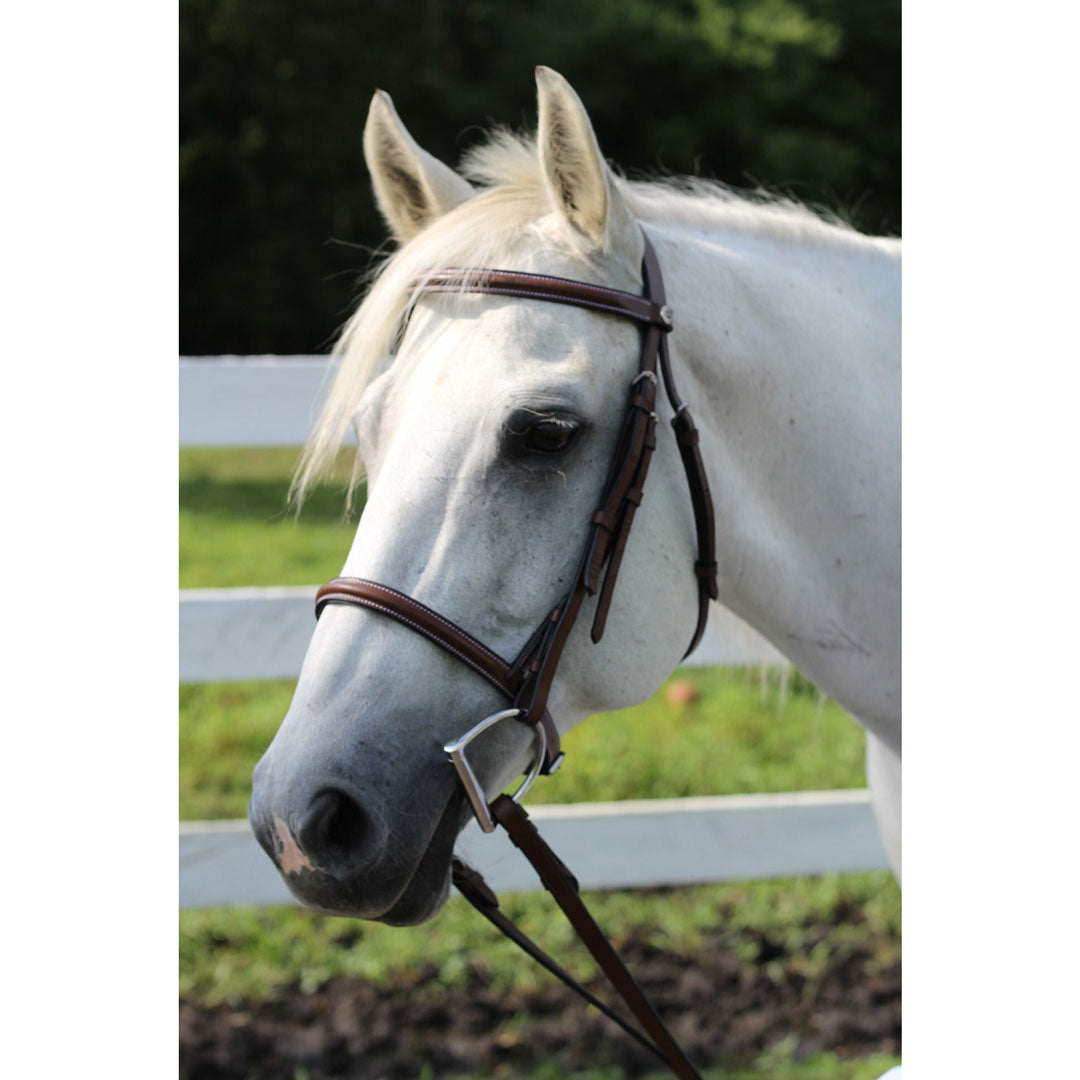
[(526, 680)]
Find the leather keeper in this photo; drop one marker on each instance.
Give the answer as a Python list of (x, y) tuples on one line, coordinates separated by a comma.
[(472, 886), (706, 570), (686, 434)]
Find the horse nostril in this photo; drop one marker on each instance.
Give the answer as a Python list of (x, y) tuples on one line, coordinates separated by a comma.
[(333, 830), (344, 822)]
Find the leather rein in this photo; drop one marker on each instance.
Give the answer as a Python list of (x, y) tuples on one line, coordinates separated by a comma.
[(526, 680)]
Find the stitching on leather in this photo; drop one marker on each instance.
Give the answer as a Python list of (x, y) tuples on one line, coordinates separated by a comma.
[(364, 601), (463, 275), (478, 645), (576, 301)]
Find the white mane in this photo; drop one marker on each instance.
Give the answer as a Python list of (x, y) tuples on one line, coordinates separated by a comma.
[(490, 229)]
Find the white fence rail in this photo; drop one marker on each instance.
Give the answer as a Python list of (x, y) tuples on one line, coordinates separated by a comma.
[(250, 400), (608, 845), (262, 633)]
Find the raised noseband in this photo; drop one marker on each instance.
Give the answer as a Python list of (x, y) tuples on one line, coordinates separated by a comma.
[(506, 677)]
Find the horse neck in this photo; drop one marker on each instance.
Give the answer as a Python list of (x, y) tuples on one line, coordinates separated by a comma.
[(789, 348)]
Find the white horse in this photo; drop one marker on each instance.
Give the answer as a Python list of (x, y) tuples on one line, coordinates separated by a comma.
[(486, 425)]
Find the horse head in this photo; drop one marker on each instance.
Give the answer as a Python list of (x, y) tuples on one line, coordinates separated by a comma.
[(486, 426)]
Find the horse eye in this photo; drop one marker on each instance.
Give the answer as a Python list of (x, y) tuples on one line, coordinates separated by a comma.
[(551, 436)]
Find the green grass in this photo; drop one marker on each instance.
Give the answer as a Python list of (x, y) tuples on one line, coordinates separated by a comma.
[(229, 956), (748, 731), (777, 1064), (235, 527), (742, 735)]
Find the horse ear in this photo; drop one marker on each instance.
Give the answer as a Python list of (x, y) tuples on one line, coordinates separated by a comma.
[(411, 187), (581, 185)]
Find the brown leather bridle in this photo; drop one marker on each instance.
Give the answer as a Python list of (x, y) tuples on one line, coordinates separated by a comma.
[(526, 680)]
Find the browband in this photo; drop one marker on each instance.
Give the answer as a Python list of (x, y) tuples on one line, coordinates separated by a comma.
[(557, 290)]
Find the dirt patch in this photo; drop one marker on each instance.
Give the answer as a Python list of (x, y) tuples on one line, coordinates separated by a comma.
[(721, 1006)]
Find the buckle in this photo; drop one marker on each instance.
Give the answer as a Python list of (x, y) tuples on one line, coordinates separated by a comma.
[(456, 752)]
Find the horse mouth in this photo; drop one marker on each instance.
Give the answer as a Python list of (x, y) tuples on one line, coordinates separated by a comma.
[(428, 889)]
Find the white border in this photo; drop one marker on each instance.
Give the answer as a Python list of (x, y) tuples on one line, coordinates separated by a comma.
[(90, 328), (990, 540)]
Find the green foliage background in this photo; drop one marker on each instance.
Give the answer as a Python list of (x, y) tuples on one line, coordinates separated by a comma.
[(277, 219)]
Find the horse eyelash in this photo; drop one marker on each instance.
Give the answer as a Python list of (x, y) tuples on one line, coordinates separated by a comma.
[(559, 421)]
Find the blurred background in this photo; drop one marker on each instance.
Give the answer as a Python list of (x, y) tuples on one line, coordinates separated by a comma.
[(791, 978), (277, 219)]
